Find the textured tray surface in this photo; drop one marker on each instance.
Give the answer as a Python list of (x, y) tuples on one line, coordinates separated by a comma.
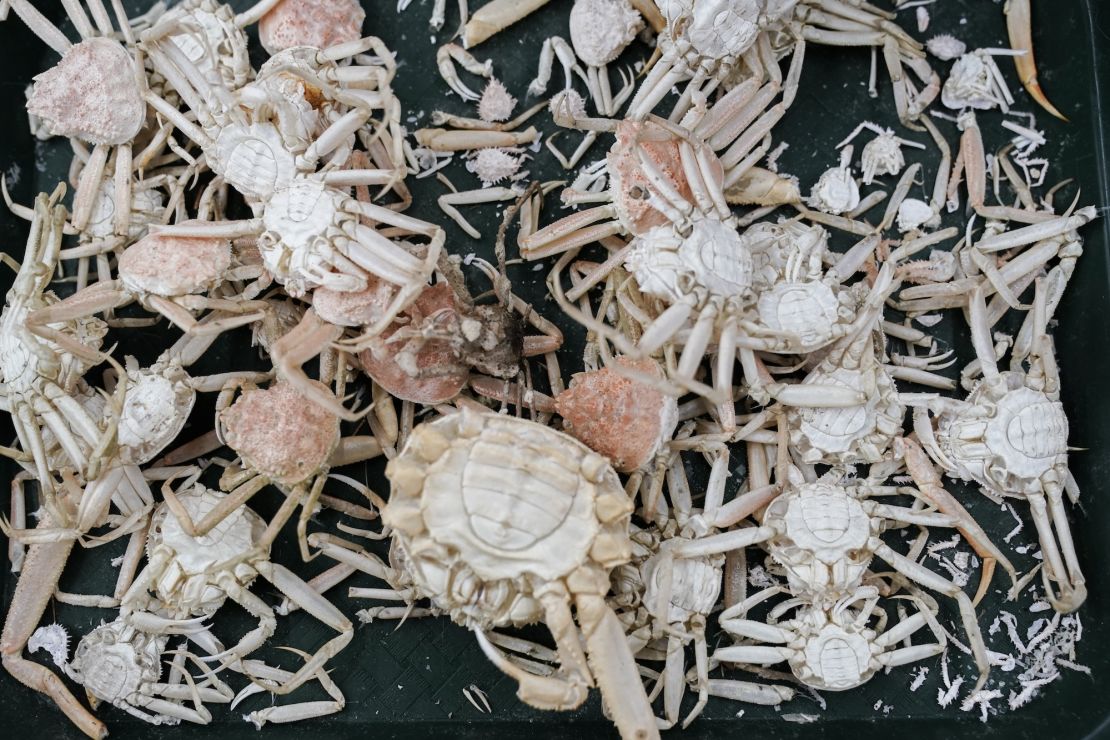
[(408, 681)]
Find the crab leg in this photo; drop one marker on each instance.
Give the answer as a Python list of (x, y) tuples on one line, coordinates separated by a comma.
[(41, 571), (1019, 27), (928, 482)]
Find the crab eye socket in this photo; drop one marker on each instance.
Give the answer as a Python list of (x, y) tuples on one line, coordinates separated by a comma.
[(637, 193)]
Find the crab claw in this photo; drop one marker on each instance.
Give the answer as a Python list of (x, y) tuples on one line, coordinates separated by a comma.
[(1019, 26)]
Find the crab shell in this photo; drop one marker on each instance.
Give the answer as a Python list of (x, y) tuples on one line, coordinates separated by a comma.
[(601, 29), (836, 657), (627, 183), (189, 579), (856, 434), (822, 537), (300, 220), (318, 23), (254, 159), (836, 192), (354, 308), (694, 588), (806, 310), (155, 410), (616, 416), (720, 29), (442, 374), (146, 208), (91, 94), (490, 509), (711, 258), (281, 434), (970, 84), (946, 47), (881, 156), (212, 41), (114, 661), (170, 266), (1006, 437)]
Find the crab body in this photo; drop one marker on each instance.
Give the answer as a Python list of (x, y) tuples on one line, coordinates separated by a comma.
[(1007, 437)]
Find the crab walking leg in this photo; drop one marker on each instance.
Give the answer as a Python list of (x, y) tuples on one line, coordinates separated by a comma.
[(1037, 232), (41, 571), (614, 667), (313, 603), (931, 580), (47, 32), (1064, 585), (303, 342), (545, 692), (928, 482)]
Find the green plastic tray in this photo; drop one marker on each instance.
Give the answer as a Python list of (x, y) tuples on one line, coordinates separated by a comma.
[(407, 681)]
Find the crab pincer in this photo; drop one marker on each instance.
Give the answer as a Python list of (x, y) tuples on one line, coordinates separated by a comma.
[(1019, 27)]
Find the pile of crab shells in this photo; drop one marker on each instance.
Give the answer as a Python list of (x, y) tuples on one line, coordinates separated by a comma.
[(752, 408)]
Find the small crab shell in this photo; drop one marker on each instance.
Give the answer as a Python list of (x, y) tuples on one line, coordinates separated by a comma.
[(946, 47), (197, 558), (280, 433), (146, 208), (913, 214), (853, 434), (496, 104), (695, 584), (616, 416), (114, 661), (836, 659), (212, 41), (971, 83), (629, 186), (354, 308), (91, 94), (172, 266), (492, 165), (441, 373), (836, 192), (806, 309), (253, 159), (155, 409), (723, 28), (881, 156), (601, 29), (318, 23)]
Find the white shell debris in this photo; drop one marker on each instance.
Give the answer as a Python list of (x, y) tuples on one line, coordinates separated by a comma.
[(801, 719), (52, 638), (922, 19)]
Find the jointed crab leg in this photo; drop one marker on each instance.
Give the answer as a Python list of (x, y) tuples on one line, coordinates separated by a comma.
[(1018, 24), (928, 482)]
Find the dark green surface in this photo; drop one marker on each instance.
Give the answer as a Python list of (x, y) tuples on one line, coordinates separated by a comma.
[(408, 682)]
